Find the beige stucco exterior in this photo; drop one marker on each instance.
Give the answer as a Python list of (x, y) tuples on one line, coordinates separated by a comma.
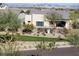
[(36, 17), (68, 24), (27, 18)]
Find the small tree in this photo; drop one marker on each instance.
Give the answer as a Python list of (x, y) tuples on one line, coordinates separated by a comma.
[(53, 17)]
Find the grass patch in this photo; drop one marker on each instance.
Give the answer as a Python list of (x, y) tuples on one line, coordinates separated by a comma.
[(33, 38)]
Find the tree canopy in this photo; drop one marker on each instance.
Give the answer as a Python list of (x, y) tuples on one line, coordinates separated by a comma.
[(53, 17)]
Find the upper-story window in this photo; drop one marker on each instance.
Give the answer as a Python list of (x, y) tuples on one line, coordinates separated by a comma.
[(39, 23)]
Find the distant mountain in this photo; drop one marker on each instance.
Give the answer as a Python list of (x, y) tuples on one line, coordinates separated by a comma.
[(56, 5)]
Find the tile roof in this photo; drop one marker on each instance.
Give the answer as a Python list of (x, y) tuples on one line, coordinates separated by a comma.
[(64, 13)]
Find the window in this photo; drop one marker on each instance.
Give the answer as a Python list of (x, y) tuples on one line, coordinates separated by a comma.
[(39, 23)]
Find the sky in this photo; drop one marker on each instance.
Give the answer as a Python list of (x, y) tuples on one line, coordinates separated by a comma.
[(64, 5)]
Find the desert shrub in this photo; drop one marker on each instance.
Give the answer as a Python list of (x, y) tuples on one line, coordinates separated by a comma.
[(73, 38), (12, 29), (41, 45), (29, 26), (51, 45), (2, 29), (8, 46), (6, 38)]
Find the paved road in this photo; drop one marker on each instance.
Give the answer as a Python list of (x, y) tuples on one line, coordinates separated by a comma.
[(69, 51)]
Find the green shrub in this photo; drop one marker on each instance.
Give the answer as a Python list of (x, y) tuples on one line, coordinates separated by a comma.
[(29, 26), (73, 38), (51, 44), (2, 29), (8, 45), (41, 45), (6, 38)]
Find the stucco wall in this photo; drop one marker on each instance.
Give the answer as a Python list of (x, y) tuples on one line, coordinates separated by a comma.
[(40, 17), (36, 17), (27, 18), (68, 25)]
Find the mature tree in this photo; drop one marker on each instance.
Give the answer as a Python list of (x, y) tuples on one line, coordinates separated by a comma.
[(9, 20), (53, 17)]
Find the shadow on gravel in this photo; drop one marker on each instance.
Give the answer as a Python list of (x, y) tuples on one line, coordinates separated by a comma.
[(70, 51)]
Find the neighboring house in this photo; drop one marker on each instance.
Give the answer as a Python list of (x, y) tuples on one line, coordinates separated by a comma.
[(37, 18)]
